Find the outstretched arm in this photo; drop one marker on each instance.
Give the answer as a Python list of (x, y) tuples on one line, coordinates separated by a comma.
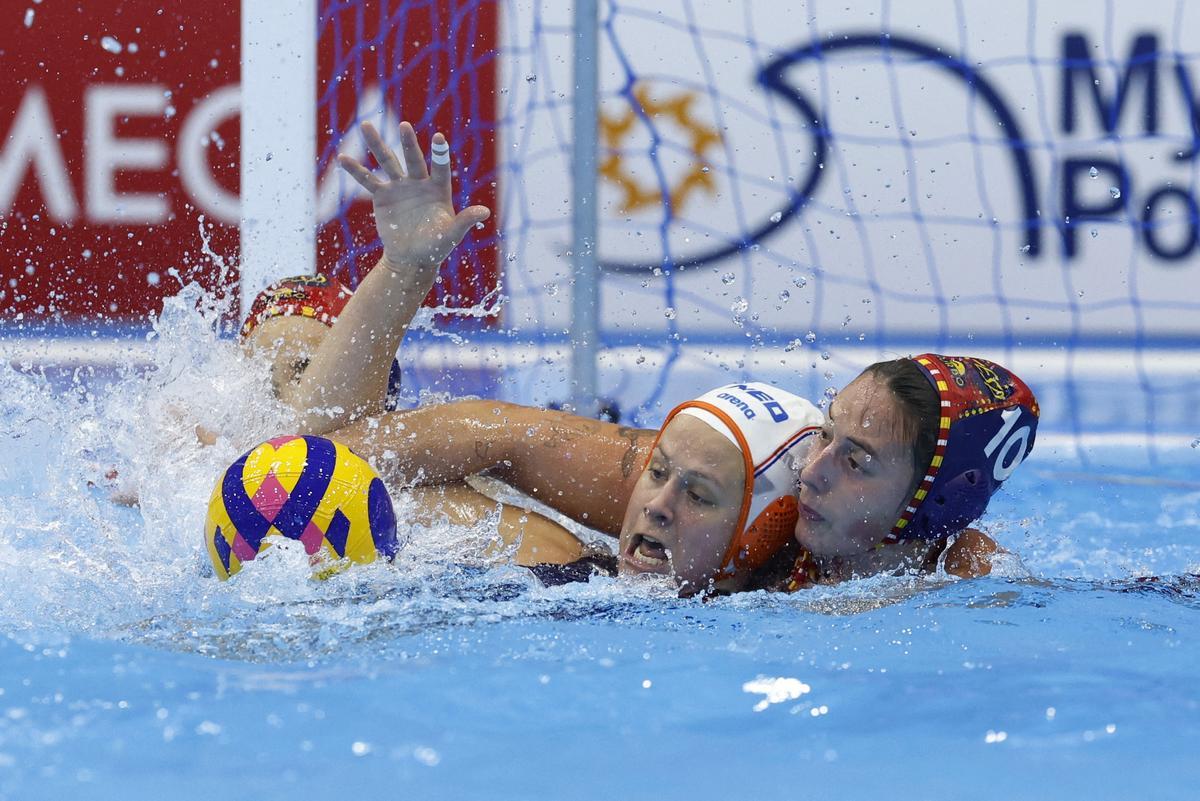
[(414, 214), (581, 467)]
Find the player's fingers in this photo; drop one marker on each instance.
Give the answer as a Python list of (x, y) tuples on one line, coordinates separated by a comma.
[(414, 159), (439, 155), (468, 218), (382, 153), (359, 173)]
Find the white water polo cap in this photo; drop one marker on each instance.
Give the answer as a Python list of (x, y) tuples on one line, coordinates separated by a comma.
[(767, 424)]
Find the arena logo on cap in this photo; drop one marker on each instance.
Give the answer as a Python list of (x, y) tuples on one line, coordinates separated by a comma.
[(773, 407)]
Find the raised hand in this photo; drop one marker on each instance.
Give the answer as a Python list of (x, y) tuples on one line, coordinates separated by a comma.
[(414, 212)]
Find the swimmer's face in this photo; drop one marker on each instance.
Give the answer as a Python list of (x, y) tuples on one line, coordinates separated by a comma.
[(685, 505), (859, 474), (289, 342)]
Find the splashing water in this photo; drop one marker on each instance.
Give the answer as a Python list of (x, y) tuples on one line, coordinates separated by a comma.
[(416, 666), (75, 559)]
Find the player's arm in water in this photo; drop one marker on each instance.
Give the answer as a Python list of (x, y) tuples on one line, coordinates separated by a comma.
[(523, 536), (347, 377), (583, 468), (579, 467)]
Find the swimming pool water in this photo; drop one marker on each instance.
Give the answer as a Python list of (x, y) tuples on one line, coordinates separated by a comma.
[(126, 672)]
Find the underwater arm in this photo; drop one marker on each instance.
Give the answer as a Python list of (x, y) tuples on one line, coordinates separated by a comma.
[(414, 214), (581, 467), (534, 540)]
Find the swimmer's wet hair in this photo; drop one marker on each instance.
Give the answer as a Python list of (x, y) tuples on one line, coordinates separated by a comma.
[(920, 408)]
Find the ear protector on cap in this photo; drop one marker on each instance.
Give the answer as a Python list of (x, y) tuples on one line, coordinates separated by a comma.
[(986, 429), (766, 424)]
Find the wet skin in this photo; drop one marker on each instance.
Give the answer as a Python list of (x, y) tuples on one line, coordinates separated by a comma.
[(289, 342), (681, 515), (859, 474)]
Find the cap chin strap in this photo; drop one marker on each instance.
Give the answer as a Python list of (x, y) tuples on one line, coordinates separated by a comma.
[(804, 572), (931, 472)]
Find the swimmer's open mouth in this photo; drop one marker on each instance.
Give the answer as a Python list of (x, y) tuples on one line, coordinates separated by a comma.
[(646, 555)]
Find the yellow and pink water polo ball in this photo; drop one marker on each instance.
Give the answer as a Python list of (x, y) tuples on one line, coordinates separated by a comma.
[(309, 489)]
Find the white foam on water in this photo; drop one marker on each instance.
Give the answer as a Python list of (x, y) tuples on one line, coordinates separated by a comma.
[(73, 561)]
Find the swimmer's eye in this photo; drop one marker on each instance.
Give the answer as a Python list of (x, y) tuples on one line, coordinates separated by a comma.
[(699, 499), (855, 465), (299, 366), (657, 472)]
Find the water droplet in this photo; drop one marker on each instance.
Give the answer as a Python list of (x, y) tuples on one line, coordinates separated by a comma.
[(810, 337), (1093, 172), (1196, 442), (640, 360), (478, 226), (799, 281), (29, 18), (728, 278), (912, 132), (777, 216), (1116, 193), (110, 44), (826, 355), (705, 169), (785, 296), (669, 312), (796, 344), (739, 305), (1095, 233), (530, 78), (1025, 248), (551, 289), (830, 392)]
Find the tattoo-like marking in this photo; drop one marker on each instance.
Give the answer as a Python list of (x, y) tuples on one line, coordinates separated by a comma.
[(566, 434), (629, 460)]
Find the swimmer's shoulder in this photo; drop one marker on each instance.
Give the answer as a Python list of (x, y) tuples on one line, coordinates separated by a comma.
[(970, 554)]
